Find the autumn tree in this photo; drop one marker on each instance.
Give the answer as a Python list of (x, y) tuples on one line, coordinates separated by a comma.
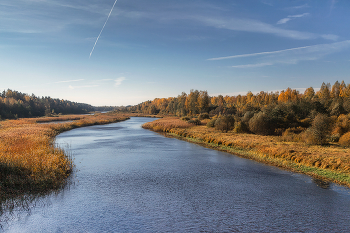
[(343, 90), (191, 103), (324, 94), (181, 105), (309, 93), (335, 92), (203, 101)]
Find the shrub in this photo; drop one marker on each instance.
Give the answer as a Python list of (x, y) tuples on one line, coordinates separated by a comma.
[(185, 118), (342, 125), (338, 130), (310, 138), (247, 116), (335, 137), (319, 130), (279, 131), (292, 134), (211, 123), (203, 116), (195, 122), (305, 122), (345, 139), (259, 124), (240, 127), (225, 123)]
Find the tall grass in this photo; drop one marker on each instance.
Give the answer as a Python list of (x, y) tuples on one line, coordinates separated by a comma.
[(167, 124), (330, 162), (29, 161)]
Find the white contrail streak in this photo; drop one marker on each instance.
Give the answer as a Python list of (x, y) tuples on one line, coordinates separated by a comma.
[(103, 27)]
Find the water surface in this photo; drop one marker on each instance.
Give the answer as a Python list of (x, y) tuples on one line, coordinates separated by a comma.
[(133, 180)]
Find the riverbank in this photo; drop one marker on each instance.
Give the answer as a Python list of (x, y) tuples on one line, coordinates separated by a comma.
[(330, 163), (29, 161)]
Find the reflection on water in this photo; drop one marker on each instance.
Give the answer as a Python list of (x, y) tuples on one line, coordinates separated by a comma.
[(133, 180), (12, 209)]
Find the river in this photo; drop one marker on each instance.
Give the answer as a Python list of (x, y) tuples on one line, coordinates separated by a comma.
[(128, 179)]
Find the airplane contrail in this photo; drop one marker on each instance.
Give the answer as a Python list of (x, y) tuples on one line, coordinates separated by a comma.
[(103, 27)]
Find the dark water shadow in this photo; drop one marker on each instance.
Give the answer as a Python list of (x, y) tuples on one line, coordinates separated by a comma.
[(322, 183)]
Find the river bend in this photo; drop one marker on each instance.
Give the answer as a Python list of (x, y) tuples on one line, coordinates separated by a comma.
[(129, 179)]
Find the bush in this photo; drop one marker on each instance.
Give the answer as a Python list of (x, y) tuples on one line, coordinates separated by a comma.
[(225, 123), (247, 116), (292, 135), (211, 123), (335, 137), (310, 138), (195, 122), (259, 124), (342, 125), (305, 122), (345, 139), (185, 118), (319, 130), (203, 116), (240, 127)]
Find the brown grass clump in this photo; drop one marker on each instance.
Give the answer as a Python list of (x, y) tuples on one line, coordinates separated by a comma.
[(29, 162), (320, 161), (345, 140), (56, 119), (166, 124)]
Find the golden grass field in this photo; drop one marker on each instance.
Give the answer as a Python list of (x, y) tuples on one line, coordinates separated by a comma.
[(29, 161), (330, 162)]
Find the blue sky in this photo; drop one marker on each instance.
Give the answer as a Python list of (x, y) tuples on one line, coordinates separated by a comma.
[(160, 48)]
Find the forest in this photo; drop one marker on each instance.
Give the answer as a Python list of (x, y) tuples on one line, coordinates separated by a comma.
[(14, 104), (316, 117)]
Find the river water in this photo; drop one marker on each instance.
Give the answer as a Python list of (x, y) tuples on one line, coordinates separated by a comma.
[(129, 179)]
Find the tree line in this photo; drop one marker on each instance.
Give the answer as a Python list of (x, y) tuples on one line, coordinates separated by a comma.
[(14, 104), (323, 114)]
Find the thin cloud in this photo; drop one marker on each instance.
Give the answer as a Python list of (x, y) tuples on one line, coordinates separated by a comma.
[(330, 37), (249, 25), (267, 3), (220, 22), (118, 81), (17, 16), (283, 21), (290, 17), (69, 81), (291, 56), (254, 65), (299, 7), (256, 54), (313, 49)]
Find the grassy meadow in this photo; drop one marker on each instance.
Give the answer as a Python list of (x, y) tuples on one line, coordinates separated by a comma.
[(331, 162), (29, 161)]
